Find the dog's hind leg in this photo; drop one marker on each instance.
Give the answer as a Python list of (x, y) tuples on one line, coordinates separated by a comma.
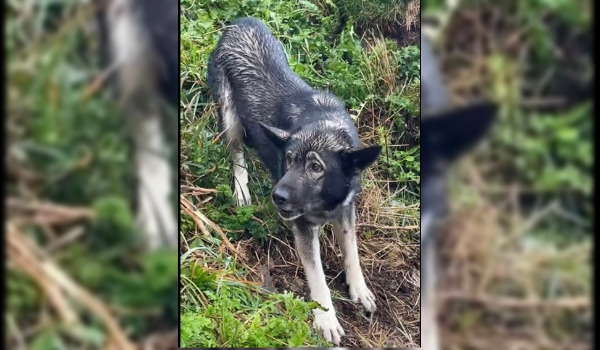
[(306, 239), (132, 53), (344, 230), (233, 134), (240, 178)]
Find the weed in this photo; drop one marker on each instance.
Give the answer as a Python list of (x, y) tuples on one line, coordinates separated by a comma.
[(518, 243)]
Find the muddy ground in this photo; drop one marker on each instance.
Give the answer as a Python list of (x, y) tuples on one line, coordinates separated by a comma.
[(393, 279)]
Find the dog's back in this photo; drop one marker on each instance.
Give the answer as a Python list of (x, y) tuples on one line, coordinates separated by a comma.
[(250, 78), (248, 52)]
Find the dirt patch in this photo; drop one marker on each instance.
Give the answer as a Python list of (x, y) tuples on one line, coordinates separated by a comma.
[(393, 279), (401, 35)]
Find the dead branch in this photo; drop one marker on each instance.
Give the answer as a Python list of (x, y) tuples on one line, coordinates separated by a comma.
[(200, 219), (57, 285)]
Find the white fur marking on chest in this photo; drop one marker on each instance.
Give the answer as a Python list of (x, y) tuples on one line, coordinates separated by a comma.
[(349, 198)]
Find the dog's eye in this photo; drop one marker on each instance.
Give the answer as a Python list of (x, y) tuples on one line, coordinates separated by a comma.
[(316, 167)]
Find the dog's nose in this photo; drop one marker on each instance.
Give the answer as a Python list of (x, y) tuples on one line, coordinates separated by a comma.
[(280, 196)]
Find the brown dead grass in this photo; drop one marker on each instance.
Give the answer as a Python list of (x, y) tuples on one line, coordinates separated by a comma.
[(70, 303), (493, 292), (412, 15), (391, 269)]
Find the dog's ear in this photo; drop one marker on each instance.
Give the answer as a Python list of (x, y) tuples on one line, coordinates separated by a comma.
[(353, 162), (451, 133), (278, 136)]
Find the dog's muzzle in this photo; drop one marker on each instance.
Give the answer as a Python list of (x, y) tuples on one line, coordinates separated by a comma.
[(281, 199)]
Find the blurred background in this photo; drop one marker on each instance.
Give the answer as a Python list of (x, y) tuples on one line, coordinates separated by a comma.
[(77, 277), (517, 245)]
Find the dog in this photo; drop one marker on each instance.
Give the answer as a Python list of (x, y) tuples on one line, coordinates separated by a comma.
[(446, 134), (139, 43), (307, 141)]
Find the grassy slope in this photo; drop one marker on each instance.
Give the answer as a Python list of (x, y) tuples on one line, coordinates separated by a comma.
[(378, 81)]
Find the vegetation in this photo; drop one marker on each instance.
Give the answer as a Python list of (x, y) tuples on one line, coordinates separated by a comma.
[(237, 262), (516, 248)]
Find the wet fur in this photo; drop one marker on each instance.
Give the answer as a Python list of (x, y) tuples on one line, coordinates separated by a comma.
[(266, 106)]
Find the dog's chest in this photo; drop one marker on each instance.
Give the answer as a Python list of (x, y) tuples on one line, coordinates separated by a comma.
[(321, 217)]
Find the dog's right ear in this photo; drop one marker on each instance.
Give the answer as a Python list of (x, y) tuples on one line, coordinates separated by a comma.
[(278, 136)]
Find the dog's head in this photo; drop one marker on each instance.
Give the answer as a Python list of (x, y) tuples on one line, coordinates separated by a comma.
[(321, 174)]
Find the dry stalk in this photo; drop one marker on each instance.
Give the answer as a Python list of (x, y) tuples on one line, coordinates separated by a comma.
[(57, 284), (200, 219)]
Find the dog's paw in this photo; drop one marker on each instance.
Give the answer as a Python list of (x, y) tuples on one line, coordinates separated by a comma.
[(328, 324), (360, 292), (429, 328), (430, 339)]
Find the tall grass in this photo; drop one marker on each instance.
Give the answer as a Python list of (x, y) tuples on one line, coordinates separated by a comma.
[(518, 244)]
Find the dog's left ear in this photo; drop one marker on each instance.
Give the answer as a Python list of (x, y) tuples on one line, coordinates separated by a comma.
[(278, 136), (353, 162)]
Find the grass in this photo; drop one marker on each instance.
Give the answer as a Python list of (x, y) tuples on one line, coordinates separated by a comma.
[(241, 258), (517, 245)]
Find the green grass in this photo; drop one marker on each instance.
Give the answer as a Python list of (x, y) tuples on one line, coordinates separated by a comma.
[(221, 311), (374, 78)]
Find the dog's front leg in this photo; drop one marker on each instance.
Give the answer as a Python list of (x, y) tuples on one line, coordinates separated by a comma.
[(344, 230), (306, 239)]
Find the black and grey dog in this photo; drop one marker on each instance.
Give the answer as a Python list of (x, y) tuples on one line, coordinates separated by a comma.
[(140, 46), (307, 141), (446, 134)]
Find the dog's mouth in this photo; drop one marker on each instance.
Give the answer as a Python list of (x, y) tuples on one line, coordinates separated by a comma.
[(289, 215)]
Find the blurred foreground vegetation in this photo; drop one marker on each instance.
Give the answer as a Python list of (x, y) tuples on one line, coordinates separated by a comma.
[(517, 248), (68, 189)]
